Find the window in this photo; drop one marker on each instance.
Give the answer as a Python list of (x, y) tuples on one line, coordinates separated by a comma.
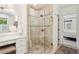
[(3, 24), (8, 23)]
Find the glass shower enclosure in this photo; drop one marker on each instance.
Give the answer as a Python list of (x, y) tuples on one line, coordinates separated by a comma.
[(40, 33)]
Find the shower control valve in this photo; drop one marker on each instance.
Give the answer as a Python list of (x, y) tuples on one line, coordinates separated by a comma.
[(42, 30)]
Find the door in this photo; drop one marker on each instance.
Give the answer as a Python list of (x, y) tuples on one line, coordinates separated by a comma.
[(36, 34), (37, 40), (41, 35), (48, 34)]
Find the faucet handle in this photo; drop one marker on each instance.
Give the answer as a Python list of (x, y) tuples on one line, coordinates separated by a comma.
[(42, 30)]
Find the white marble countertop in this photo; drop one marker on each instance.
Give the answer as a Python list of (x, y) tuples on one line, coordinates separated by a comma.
[(10, 37)]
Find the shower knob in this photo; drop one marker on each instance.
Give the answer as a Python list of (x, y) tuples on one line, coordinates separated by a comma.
[(42, 30)]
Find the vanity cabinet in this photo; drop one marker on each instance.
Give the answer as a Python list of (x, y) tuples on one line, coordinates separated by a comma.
[(20, 46), (20, 43)]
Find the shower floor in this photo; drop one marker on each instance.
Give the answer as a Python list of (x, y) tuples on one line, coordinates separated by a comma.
[(40, 45), (41, 49)]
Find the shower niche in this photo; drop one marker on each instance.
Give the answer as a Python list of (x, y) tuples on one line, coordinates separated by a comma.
[(40, 29)]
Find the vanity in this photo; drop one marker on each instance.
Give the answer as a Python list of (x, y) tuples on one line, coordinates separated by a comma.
[(11, 37), (18, 40)]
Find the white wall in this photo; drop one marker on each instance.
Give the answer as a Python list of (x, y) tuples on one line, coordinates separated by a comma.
[(21, 11)]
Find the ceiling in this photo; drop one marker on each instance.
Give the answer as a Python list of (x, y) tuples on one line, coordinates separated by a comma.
[(39, 6)]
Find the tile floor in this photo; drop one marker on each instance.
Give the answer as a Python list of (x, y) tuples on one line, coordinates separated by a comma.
[(40, 49), (66, 50)]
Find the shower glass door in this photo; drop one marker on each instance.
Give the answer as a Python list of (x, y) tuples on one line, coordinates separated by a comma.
[(36, 35), (48, 34), (40, 35)]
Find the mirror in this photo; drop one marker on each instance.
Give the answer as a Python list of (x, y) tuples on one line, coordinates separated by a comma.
[(8, 21)]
